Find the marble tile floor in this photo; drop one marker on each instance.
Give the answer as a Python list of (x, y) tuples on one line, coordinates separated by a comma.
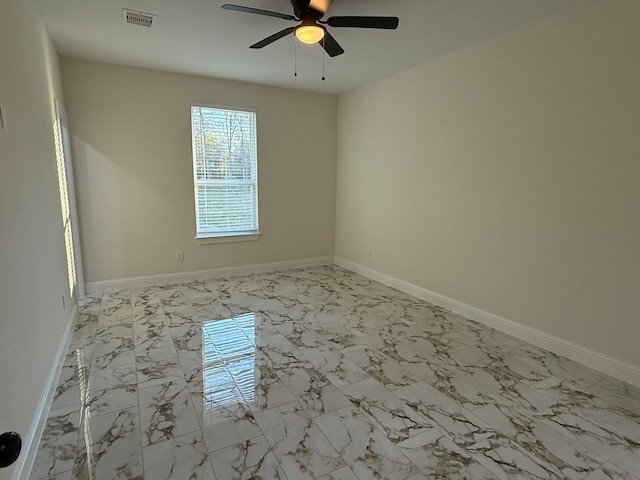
[(320, 373)]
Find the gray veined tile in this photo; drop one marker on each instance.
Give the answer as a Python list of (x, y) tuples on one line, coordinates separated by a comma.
[(531, 363), (158, 365), (303, 451), (280, 352), (113, 347), (428, 400), (188, 337), (109, 337), (172, 297), (438, 456), (68, 475), (608, 471), (115, 296), (111, 390), (498, 453), (392, 415), (256, 326), (305, 336), (197, 289), (181, 315), (115, 312), (364, 447), (110, 447), (151, 314), (144, 296), (474, 387), (493, 338), (58, 446), (258, 383), (227, 423), (166, 412), (148, 336), (338, 369), (89, 304), (618, 450), (113, 359), (615, 418), (86, 326), (312, 389), (618, 396), (570, 458), (625, 426), (216, 398), (415, 354), (68, 392), (80, 352), (112, 378), (194, 380), (251, 459), (215, 407), (208, 311), (79, 356), (344, 473), (190, 360), (184, 457), (278, 315), (469, 356), (385, 370)]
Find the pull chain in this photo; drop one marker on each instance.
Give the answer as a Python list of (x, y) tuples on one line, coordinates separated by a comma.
[(295, 56), (322, 44)]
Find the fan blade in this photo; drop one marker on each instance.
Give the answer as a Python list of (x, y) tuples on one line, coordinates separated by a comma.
[(257, 11), (273, 38), (330, 45), (320, 5), (386, 23)]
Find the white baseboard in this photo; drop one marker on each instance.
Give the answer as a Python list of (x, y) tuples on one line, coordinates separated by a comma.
[(603, 363), (93, 288), (24, 464)]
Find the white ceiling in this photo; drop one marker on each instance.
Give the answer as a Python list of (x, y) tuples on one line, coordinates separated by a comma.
[(198, 37)]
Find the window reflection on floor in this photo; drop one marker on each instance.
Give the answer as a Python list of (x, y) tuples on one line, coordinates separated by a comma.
[(228, 361)]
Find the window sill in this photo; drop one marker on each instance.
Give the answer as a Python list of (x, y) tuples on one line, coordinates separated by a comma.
[(248, 237)]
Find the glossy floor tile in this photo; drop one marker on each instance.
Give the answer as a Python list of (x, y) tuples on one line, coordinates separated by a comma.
[(320, 373)]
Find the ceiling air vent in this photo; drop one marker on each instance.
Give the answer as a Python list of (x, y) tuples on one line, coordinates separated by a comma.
[(137, 18)]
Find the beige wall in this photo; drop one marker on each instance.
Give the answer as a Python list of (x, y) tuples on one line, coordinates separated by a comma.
[(132, 153), (32, 258), (506, 176)]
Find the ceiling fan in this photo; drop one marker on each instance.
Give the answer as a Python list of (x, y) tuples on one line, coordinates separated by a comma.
[(313, 30)]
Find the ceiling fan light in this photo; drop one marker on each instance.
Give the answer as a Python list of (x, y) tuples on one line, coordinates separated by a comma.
[(309, 34)]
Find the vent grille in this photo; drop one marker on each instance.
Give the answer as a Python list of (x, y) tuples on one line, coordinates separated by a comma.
[(137, 18)]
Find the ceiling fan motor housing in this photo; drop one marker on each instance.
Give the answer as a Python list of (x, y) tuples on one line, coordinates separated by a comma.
[(303, 11)]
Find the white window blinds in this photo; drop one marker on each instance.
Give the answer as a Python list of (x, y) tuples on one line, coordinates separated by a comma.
[(225, 171)]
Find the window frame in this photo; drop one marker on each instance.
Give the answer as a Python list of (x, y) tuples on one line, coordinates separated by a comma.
[(234, 236)]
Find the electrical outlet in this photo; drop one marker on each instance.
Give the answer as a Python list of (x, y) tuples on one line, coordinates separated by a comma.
[(180, 255)]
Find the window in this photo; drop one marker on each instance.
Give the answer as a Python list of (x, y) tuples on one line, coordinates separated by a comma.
[(225, 172)]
